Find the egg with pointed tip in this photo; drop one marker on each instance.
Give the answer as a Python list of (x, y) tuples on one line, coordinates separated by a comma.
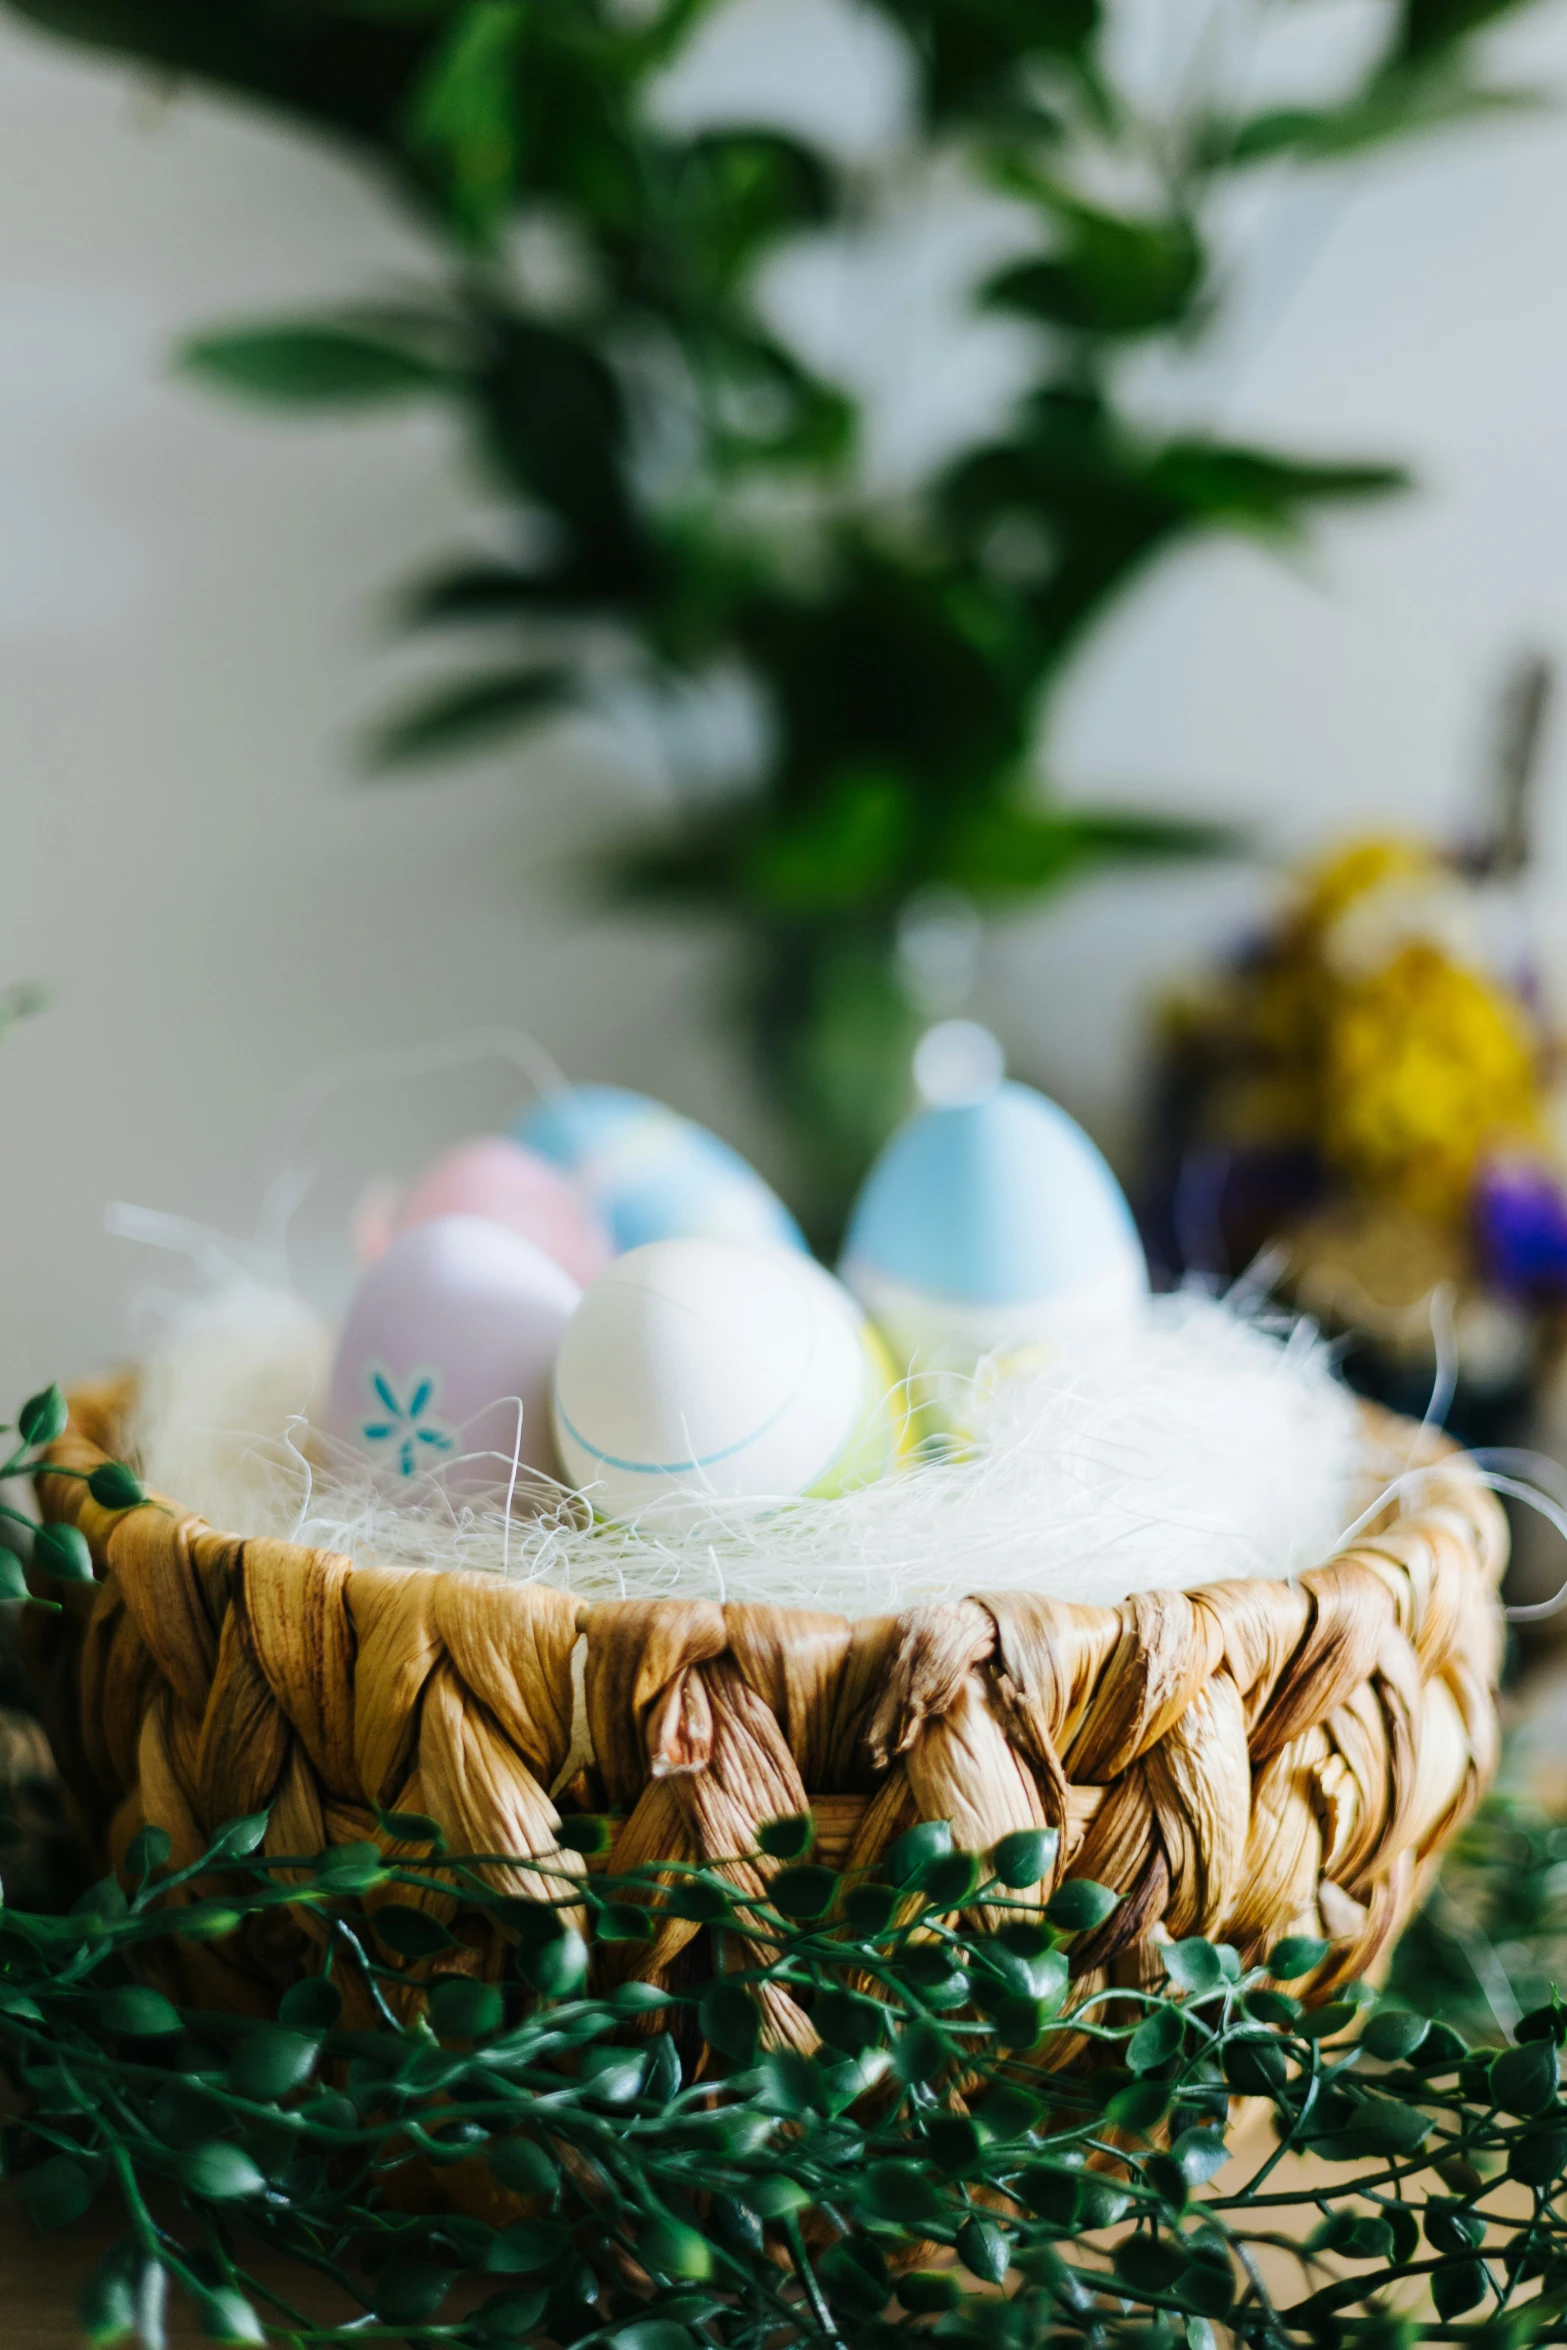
[(696, 1372), (445, 1361), (990, 1223), (652, 1174)]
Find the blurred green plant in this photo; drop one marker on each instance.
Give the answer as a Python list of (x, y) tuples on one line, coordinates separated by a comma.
[(1490, 1940), (689, 497), (929, 2173)]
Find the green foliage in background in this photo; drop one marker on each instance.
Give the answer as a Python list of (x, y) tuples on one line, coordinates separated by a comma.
[(925, 2175), (687, 497)]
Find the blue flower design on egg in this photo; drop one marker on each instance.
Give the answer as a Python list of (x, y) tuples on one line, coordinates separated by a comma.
[(408, 1423)]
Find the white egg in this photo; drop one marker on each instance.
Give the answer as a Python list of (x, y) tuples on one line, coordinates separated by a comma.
[(991, 1222), (710, 1368), (446, 1356)]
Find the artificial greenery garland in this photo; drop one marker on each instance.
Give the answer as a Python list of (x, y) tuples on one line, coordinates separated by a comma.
[(975, 2153)]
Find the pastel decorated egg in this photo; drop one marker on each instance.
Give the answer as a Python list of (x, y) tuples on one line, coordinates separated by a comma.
[(989, 1222), (447, 1353), (710, 1368), (651, 1174), (496, 1177)]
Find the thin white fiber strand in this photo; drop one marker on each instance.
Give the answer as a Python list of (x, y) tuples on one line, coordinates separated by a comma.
[(1208, 1443)]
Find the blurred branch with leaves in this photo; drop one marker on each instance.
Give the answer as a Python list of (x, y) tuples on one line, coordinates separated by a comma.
[(690, 497)]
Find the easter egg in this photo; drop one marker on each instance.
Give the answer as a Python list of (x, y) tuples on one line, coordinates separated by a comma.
[(991, 1222), (496, 1177), (651, 1174), (700, 1370), (446, 1356)]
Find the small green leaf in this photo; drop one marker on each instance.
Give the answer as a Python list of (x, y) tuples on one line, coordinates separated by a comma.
[(1157, 2038), (623, 1921), (1456, 2286), (147, 1850), (1202, 2154), (1326, 2023), (313, 364), (57, 2192), (982, 2248), (699, 1900), (226, 2316), (559, 1968), (114, 1487), (789, 2084), (461, 2010), (803, 1892), (311, 2006), (585, 1832), (1524, 2079), (13, 1581), (1255, 2065), (238, 1838), (1010, 2111), (652, 2333), (469, 717), (1393, 2129), (1394, 2034), (920, 2052), (614, 2076), (43, 1417), (1137, 2108), (350, 1868), (527, 2246), (1296, 1955), (669, 2248), (846, 2020), (908, 1854), (787, 1839), (899, 2191), (925, 2292), (868, 1910), (1539, 2157), (137, 2014), (1080, 1905), (410, 1827), (777, 2197), (1148, 2264), (1272, 2007), (523, 2166), (220, 2173), (731, 2021), (508, 2317), (61, 1552), (1194, 1966), (271, 2062), (1021, 2023), (1026, 1857), (949, 1880), (408, 2291), (411, 1933), (109, 2310)]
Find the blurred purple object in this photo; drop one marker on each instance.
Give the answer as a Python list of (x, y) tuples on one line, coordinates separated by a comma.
[(1520, 1213)]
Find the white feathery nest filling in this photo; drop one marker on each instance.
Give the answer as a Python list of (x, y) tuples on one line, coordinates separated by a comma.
[(1207, 1443)]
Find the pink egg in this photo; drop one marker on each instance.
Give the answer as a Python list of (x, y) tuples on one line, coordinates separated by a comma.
[(513, 1186), (446, 1357)]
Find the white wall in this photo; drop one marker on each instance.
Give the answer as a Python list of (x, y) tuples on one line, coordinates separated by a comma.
[(188, 641)]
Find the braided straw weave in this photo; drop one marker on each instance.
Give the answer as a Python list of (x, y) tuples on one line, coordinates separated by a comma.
[(1244, 1761)]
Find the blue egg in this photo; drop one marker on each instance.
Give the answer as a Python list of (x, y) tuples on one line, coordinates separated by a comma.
[(651, 1174), (990, 1224)]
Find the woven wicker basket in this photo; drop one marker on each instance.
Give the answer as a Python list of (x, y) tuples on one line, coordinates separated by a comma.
[(1244, 1761)]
